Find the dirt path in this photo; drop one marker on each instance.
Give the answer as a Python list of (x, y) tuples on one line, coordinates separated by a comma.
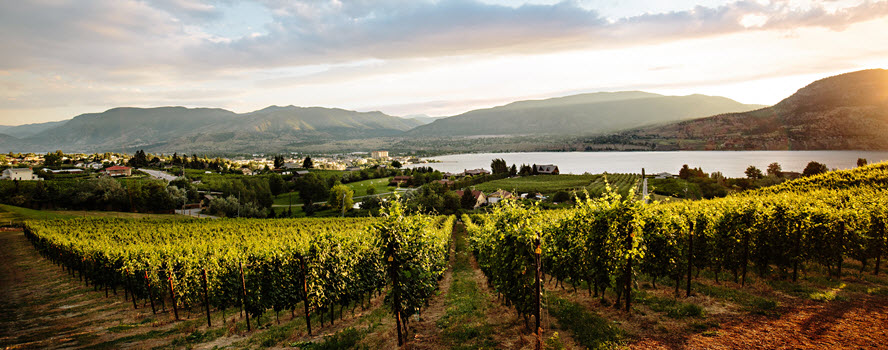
[(42, 307)]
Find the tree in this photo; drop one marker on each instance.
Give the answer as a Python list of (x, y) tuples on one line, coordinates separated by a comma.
[(861, 162), (498, 166), (753, 173), (311, 189), (814, 168), (396, 164), (53, 158), (525, 170), (371, 190), (468, 200), (140, 159), (513, 171), (276, 184), (561, 196), (685, 172), (307, 163), (341, 198), (775, 170), (278, 162)]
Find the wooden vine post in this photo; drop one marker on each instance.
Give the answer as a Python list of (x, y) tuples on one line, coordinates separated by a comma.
[(881, 246), (206, 297), (841, 246), (129, 286), (244, 295), (796, 249), (538, 307), (396, 304), (305, 293), (170, 277), (745, 256), (150, 293), (690, 257)]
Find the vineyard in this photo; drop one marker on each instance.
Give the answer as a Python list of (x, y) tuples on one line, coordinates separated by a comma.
[(546, 269), (256, 266), (606, 242), (548, 184)]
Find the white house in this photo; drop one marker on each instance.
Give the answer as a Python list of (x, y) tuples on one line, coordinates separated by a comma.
[(25, 174), (546, 169), (664, 175)]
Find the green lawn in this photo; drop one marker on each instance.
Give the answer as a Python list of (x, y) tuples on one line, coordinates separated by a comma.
[(546, 184), (381, 186), (360, 188)]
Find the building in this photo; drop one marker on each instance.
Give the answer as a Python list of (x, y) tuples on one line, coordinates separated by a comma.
[(479, 197), (546, 169), (499, 195), (379, 154), (23, 174), (401, 180), (664, 175), (119, 170), (64, 171), (473, 172)]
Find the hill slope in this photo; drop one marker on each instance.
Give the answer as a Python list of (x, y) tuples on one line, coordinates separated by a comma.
[(168, 129), (27, 130), (580, 114), (848, 111)]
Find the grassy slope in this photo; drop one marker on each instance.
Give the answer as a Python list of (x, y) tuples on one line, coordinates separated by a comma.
[(13, 214)]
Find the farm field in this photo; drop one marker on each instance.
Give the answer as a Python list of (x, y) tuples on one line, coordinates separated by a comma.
[(549, 184), (823, 292)]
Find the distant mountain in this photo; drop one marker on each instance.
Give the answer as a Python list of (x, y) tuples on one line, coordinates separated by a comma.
[(28, 130), (421, 118), (848, 111), (583, 114), (169, 129)]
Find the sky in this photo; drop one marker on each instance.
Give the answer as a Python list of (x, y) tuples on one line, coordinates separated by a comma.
[(62, 58)]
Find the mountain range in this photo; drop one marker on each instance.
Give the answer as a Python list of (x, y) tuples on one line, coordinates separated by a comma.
[(581, 114), (849, 111), (844, 112)]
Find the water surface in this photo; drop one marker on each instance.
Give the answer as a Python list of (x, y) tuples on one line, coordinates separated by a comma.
[(730, 163)]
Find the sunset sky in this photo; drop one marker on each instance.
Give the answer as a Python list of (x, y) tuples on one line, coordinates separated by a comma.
[(61, 58)]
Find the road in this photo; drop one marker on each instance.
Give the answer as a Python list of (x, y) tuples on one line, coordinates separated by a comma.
[(195, 213), (157, 174)]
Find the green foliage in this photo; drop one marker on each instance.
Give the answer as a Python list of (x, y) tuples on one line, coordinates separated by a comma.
[(335, 257), (814, 168), (341, 198), (414, 252), (753, 173), (498, 166)]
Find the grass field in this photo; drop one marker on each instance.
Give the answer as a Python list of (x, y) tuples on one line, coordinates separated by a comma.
[(11, 214)]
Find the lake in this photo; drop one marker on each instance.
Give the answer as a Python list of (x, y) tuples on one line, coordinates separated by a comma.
[(730, 163)]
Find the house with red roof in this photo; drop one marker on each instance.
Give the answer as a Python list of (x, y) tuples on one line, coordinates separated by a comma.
[(119, 170)]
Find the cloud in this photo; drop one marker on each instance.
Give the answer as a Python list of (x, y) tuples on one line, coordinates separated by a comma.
[(126, 52), (304, 32), (123, 34)]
